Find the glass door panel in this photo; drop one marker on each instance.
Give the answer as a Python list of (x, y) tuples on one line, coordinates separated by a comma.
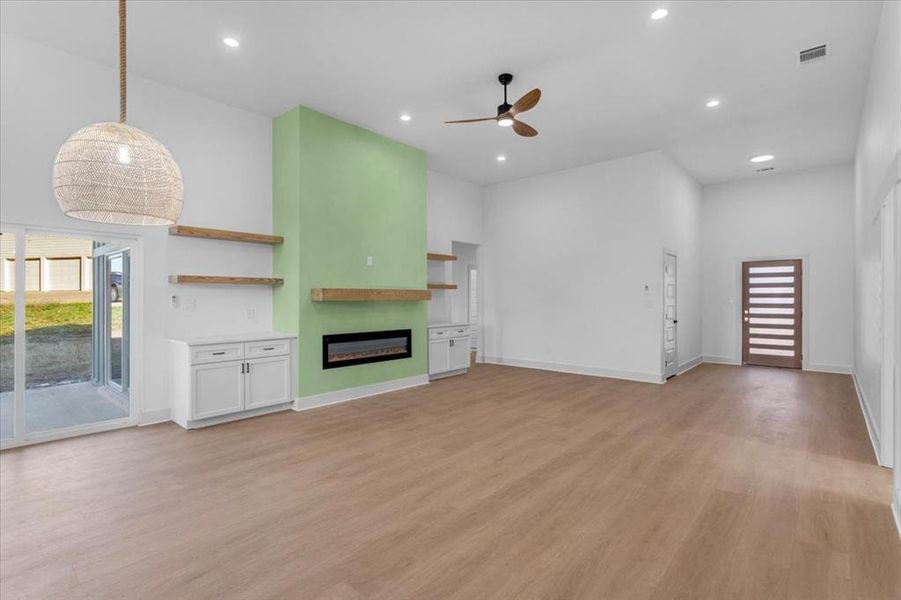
[(7, 335), (61, 321)]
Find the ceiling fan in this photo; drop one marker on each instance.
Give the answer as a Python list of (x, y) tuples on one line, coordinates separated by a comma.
[(506, 113)]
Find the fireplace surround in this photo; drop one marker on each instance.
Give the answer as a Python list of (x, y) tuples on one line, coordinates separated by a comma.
[(346, 349)]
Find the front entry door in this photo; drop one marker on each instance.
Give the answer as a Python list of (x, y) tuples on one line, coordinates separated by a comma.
[(670, 354), (771, 313)]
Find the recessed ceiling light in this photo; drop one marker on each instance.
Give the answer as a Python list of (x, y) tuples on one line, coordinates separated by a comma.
[(501, 158), (762, 158), (659, 14), (405, 117), (231, 42), (713, 103)]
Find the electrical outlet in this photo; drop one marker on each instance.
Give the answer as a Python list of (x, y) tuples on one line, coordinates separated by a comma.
[(369, 261), (251, 314), (173, 300)]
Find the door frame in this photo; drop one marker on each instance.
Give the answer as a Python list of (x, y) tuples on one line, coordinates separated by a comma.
[(136, 371), (805, 300), (469, 269), (675, 255), (889, 242)]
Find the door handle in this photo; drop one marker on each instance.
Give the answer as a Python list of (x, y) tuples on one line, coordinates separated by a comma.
[(675, 321)]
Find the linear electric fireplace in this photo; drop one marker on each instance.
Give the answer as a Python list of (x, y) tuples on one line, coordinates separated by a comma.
[(346, 349)]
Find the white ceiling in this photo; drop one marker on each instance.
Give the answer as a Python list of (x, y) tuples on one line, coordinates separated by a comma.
[(614, 82)]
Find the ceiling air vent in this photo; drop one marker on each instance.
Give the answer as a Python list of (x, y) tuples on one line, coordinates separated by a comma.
[(812, 54), (765, 169)]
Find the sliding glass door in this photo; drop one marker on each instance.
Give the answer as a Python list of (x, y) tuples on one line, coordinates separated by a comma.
[(65, 360)]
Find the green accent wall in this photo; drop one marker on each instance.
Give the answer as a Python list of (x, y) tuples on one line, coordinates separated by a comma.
[(340, 194)]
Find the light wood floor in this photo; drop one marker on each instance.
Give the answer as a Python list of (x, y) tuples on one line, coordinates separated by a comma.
[(725, 483)]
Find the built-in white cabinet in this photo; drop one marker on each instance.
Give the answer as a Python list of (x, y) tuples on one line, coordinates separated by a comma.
[(213, 380), (448, 350)]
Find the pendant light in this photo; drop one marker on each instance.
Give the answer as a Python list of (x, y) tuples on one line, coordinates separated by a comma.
[(114, 173)]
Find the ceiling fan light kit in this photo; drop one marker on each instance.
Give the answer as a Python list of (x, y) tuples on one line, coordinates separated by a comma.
[(506, 112), (114, 173)]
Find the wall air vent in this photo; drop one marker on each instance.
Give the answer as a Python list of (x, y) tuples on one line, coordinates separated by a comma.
[(766, 169), (812, 54)]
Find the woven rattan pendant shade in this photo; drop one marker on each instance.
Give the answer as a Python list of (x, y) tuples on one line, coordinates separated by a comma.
[(114, 173)]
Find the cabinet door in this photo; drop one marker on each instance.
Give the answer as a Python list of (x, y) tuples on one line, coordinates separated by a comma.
[(439, 356), (216, 389), (459, 353), (268, 382)]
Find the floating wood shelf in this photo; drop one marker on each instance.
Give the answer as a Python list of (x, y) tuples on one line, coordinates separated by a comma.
[(367, 294), (223, 234), (224, 280), (442, 286), (444, 257)]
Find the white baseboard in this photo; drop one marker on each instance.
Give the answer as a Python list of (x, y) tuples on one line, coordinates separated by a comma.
[(152, 417), (315, 401), (868, 419), (720, 360), (839, 369), (689, 365), (576, 369)]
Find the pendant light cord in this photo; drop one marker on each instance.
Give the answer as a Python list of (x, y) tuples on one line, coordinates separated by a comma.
[(122, 86)]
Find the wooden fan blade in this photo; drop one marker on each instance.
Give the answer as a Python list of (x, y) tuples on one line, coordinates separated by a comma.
[(527, 102), (524, 129), (473, 120)]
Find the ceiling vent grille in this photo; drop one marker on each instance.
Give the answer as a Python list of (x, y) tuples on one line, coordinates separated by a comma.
[(812, 54), (765, 169)]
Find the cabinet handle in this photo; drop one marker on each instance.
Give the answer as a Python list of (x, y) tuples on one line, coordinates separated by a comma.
[(452, 343), (242, 368), (269, 348), (248, 368), (218, 353)]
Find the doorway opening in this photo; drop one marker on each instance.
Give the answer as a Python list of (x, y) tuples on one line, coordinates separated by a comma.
[(64, 335), (771, 313), (670, 320)]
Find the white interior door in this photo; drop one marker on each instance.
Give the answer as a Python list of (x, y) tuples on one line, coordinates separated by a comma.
[(670, 332)]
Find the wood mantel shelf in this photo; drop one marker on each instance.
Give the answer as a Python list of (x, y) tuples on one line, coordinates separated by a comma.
[(367, 294), (442, 257), (224, 234), (442, 286), (225, 280)]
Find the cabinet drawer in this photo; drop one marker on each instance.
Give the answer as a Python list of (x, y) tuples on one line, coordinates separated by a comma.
[(216, 353), (441, 333), (266, 348)]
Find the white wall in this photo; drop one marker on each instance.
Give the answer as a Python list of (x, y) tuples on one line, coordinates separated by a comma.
[(877, 172), (802, 214), (225, 158), (565, 264), (680, 223), (454, 215)]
